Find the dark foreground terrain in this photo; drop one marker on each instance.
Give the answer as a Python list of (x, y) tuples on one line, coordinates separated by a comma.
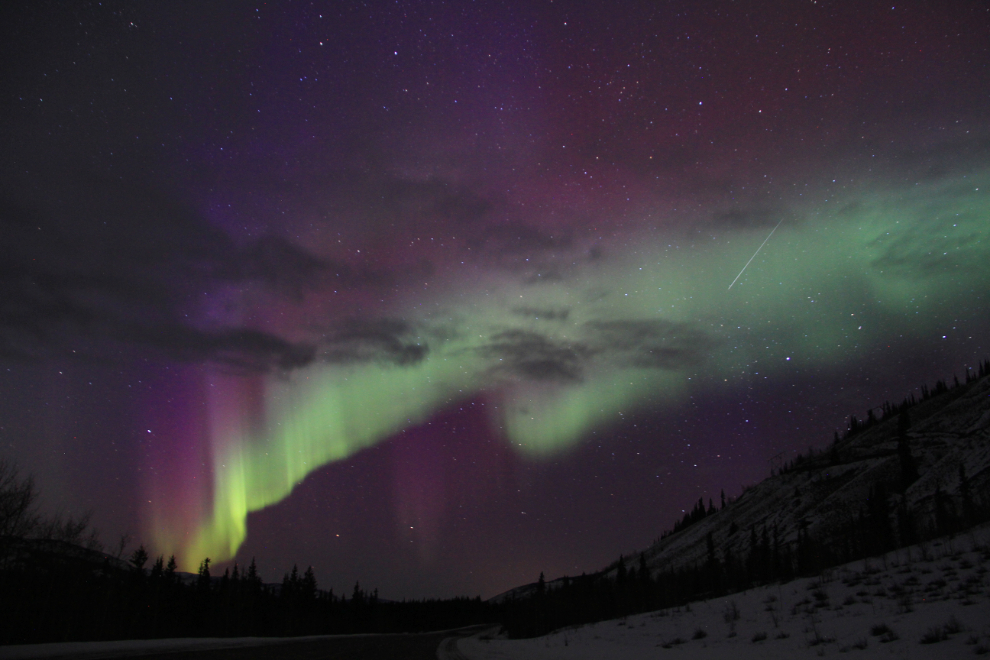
[(344, 647), (425, 646)]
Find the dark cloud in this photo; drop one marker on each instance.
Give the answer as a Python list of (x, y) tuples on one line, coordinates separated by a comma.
[(239, 347), (649, 343), (44, 312), (85, 259), (373, 340), (39, 308), (640, 343), (533, 356)]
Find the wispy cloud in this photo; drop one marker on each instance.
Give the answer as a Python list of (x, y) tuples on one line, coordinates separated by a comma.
[(92, 263), (533, 356), (389, 341)]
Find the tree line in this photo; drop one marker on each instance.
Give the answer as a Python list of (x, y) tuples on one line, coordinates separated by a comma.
[(57, 584), (766, 559)]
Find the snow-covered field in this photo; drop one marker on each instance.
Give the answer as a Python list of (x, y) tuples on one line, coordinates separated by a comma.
[(928, 601)]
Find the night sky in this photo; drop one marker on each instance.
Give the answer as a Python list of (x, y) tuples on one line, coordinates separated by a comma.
[(436, 296)]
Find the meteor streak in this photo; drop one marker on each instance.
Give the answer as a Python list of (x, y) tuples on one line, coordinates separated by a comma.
[(754, 254)]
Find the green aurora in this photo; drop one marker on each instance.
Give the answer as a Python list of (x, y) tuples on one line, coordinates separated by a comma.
[(642, 320)]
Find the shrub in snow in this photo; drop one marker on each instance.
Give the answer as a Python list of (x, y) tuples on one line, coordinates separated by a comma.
[(879, 629), (731, 612), (934, 635)]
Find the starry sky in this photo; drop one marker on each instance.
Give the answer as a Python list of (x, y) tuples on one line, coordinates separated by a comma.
[(438, 296)]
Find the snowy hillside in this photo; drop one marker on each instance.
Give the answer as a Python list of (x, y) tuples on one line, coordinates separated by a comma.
[(928, 601), (829, 490)]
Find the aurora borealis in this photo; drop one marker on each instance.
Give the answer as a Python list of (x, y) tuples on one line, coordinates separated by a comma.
[(437, 297)]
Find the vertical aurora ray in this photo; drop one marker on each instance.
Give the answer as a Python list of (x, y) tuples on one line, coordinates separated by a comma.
[(315, 417), (639, 328)]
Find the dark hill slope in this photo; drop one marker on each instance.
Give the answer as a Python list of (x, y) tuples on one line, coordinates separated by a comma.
[(859, 477)]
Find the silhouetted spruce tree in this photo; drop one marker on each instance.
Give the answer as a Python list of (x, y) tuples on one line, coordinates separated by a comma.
[(203, 580), (157, 584), (909, 468), (252, 576), (158, 568), (712, 568), (906, 529), (752, 560), (766, 560), (781, 564), (944, 519), (170, 570), (138, 559), (307, 587), (731, 580), (879, 533), (969, 508), (806, 563), (853, 426)]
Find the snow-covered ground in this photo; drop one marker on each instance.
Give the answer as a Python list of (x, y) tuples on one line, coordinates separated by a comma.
[(928, 601)]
